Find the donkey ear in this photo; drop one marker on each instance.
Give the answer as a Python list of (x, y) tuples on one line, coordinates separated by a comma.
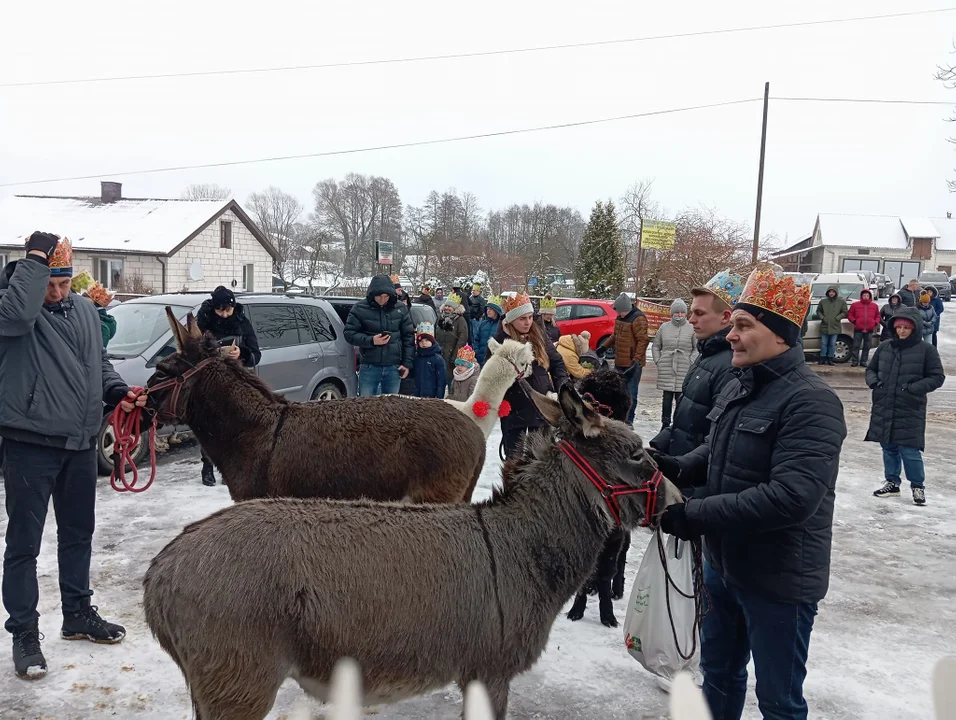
[(179, 332), (578, 412), (193, 327), (549, 409), (493, 346)]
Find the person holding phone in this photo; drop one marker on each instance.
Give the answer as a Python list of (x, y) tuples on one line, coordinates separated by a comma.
[(384, 336)]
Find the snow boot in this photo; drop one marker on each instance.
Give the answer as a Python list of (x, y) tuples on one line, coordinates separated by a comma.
[(919, 496), (86, 624), (887, 489), (28, 660), (208, 476)]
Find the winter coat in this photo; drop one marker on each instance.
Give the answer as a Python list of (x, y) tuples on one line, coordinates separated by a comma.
[(629, 339), (476, 307), (937, 304), (461, 390), (702, 384), (430, 380), (484, 330), (929, 319), (524, 414), (55, 374), (367, 319), (771, 463), (864, 314), (569, 353), (909, 298), (674, 349), (550, 329), (107, 325), (887, 312), (426, 299), (236, 326), (830, 313), (901, 373), (451, 332)]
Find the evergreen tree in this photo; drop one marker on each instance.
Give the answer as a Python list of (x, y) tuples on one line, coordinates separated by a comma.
[(600, 271)]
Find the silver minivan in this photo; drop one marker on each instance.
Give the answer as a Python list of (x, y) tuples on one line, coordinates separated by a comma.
[(304, 353)]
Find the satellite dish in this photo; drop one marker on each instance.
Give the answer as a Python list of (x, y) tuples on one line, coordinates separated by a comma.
[(195, 271)]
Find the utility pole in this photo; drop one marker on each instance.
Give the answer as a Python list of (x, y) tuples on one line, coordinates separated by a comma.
[(763, 153)]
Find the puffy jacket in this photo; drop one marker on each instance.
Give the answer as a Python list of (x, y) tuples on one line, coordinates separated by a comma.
[(451, 332), (629, 339), (484, 330), (937, 304), (461, 390), (430, 381), (830, 313), (928, 319), (702, 384), (887, 312), (54, 371), (476, 307), (107, 325), (909, 298), (523, 411), (367, 319), (901, 373), (864, 314), (771, 463), (674, 349), (569, 353), (235, 326)]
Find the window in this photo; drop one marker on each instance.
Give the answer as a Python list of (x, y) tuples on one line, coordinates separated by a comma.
[(322, 329), (248, 277), (225, 234), (589, 311), (108, 272), (4, 259), (562, 312), (858, 265), (276, 326)]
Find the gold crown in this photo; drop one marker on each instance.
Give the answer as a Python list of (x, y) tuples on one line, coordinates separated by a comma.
[(780, 296), (100, 295), (516, 301), (62, 257)]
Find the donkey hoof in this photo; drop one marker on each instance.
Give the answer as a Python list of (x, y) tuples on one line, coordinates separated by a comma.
[(617, 595), (609, 621), (575, 615)]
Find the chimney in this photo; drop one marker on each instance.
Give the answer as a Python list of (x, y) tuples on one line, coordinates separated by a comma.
[(111, 191), (949, 216)]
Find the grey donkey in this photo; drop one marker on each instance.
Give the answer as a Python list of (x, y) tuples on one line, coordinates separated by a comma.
[(419, 595)]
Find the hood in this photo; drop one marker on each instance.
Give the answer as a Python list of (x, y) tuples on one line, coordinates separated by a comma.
[(834, 289), (425, 352), (381, 285), (933, 292), (868, 293), (899, 300), (914, 316), (567, 342)]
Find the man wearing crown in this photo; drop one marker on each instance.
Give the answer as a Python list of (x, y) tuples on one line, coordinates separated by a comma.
[(55, 376), (765, 505)]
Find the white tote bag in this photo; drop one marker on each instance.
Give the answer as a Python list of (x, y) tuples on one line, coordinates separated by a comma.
[(648, 634)]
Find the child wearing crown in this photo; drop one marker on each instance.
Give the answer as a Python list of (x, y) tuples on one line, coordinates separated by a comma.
[(85, 285), (430, 375), (465, 375), (546, 311)]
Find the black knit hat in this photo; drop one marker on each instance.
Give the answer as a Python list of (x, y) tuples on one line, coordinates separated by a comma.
[(223, 297), (778, 324)]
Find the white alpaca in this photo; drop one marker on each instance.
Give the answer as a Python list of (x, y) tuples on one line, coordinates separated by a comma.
[(505, 364)]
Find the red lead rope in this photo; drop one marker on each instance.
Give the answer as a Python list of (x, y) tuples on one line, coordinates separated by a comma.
[(126, 436)]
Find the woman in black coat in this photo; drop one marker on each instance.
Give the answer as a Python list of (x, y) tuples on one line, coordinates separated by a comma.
[(902, 372)]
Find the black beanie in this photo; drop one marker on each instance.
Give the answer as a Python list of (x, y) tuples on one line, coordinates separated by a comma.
[(223, 297), (778, 324)]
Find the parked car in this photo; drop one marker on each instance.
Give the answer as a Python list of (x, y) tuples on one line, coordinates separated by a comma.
[(885, 285), (595, 316), (952, 283), (873, 282), (844, 341), (938, 280), (849, 285), (801, 278), (304, 353)]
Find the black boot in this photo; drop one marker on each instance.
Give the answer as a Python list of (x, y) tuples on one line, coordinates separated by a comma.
[(86, 624), (28, 660), (208, 476)]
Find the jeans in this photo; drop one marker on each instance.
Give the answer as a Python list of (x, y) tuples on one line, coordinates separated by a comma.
[(935, 332), (632, 383), (32, 474), (740, 622), (864, 338), (827, 346), (378, 380), (896, 458), (928, 337), (670, 398)]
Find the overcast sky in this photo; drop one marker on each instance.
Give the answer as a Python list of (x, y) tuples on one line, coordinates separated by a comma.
[(820, 157)]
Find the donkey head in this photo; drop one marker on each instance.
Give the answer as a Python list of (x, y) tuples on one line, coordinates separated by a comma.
[(610, 447)]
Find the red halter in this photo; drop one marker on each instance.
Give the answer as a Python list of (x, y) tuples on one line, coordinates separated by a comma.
[(612, 492), (177, 384)]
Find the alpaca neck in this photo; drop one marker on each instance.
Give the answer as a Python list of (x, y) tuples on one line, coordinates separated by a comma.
[(493, 383)]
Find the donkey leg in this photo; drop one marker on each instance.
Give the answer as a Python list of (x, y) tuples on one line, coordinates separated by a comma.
[(498, 693), (617, 589), (226, 692), (577, 610), (607, 565)]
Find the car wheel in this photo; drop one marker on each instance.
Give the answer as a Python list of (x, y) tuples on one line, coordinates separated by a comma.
[(104, 449), (842, 347), (327, 391), (603, 340)]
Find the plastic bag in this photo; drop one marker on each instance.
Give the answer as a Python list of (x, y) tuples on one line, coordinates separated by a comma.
[(648, 634)]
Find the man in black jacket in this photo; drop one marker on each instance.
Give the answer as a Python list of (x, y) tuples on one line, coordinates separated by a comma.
[(710, 317), (766, 512), (909, 296), (902, 372), (385, 337)]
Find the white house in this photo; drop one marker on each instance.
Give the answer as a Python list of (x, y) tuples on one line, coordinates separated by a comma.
[(901, 247), (141, 245)]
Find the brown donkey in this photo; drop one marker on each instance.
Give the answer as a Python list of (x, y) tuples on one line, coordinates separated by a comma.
[(381, 448), (419, 596)]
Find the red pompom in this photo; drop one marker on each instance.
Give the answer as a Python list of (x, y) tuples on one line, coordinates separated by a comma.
[(480, 408), (504, 409)]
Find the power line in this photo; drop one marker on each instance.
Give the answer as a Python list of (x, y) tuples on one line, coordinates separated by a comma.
[(393, 146), (876, 101), (480, 53)]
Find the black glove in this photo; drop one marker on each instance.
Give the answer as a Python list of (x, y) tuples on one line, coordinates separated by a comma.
[(674, 522), (44, 242), (667, 464)]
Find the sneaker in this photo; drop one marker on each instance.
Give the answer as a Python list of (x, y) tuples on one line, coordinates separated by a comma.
[(28, 660), (208, 476), (919, 496), (887, 489), (86, 624)]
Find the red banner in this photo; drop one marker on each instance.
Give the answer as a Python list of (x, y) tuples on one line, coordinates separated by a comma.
[(656, 314)]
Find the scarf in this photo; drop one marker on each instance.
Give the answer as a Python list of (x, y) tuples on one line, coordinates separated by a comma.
[(463, 372)]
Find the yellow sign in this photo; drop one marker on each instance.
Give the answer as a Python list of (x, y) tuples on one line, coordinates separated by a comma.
[(658, 234)]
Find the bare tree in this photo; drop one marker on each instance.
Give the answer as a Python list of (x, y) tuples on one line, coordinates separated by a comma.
[(206, 191), (637, 205), (277, 214), (946, 74)]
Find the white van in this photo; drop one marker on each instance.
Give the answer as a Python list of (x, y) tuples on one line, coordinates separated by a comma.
[(849, 285)]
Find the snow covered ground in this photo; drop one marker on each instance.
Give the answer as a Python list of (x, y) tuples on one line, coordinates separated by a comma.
[(889, 616)]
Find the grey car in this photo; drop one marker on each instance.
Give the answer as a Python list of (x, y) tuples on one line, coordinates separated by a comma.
[(938, 280), (304, 353)]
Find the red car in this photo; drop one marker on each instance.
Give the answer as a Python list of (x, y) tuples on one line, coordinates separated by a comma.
[(595, 316)]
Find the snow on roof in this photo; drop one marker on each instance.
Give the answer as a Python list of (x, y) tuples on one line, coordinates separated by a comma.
[(947, 233), (917, 227), (153, 226), (875, 231)]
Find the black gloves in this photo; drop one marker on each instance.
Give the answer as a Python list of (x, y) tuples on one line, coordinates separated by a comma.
[(44, 242), (667, 464), (674, 522)]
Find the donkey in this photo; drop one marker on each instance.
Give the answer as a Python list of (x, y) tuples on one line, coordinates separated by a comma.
[(265, 446), (419, 596)]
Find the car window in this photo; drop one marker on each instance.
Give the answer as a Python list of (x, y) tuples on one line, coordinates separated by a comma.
[(139, 325), (933, 277), (322, 329), (844, 290), (590, 311), (563, 312), (276, 326)]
